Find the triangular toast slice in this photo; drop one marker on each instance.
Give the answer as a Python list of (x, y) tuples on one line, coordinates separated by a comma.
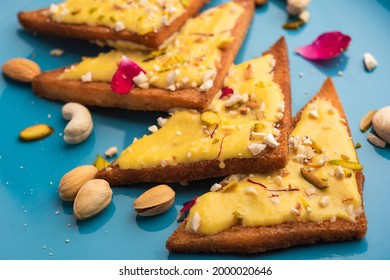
[(244, 130), (262, 212), (147, 25), (186, 73)]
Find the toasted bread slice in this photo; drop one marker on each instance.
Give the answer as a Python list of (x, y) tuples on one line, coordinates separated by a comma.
[(43, 22), (99, 93), (260, 2), (338, 219), (214, 149)]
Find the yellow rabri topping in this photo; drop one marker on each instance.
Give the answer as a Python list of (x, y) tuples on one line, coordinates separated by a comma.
[(190, 60), (142, 16), (225, 131), (285, 195)]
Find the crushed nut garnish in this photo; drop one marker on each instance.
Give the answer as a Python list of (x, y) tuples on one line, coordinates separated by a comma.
[(112, 151), (56, 52), (250, 191), (324, 201), (256, 148), (339, 172), (87, 77), (216, 187), (153, 128), (195, 222), (270, 141), (275, 200)]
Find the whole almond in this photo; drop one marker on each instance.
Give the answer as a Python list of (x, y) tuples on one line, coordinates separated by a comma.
[(21, 69), (154, 201), (93, 197), (72, 181)]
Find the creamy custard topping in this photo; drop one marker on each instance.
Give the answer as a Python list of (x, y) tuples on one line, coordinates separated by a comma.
[(139, 16), (285, 196), (191, 58), (239, 125)]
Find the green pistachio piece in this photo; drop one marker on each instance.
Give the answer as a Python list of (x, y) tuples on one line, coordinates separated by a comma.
[(347, 164), (100, 162), (313, 179), (293, 25)]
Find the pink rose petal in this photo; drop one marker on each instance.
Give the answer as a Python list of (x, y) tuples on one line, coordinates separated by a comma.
[(327, 45), (122, 81), (226, 91), (187, 205)]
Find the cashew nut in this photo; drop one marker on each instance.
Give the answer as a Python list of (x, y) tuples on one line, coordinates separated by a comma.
[(381, 123), (80, 123)]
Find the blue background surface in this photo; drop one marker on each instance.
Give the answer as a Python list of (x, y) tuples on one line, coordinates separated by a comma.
[(35, 223)]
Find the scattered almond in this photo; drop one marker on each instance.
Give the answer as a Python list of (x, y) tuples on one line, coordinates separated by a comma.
[(347, 164), (21, 69)]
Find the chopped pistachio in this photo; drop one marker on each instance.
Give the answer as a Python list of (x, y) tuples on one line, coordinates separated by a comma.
[(293, 25), (184, 2), (238, 216), (347, 164), (100, 162), (316, 147), (344, 157), (304, 201), (347, 173), (258, 127), (35, 132), (210, 118), (92, 10), (225, 42), (230, 186), (358, 145), (313, 179)]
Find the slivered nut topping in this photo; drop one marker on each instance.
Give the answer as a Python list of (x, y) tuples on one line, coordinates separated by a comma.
[(313, 179), (195, 222), (347, 164)]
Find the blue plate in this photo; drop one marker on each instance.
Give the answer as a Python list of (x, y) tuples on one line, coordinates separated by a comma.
[(36, 224)]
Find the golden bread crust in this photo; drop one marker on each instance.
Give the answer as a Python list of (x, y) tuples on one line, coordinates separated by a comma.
[(47, 84), (244, 239), (39, 21), (260, 2), (269, 160)]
